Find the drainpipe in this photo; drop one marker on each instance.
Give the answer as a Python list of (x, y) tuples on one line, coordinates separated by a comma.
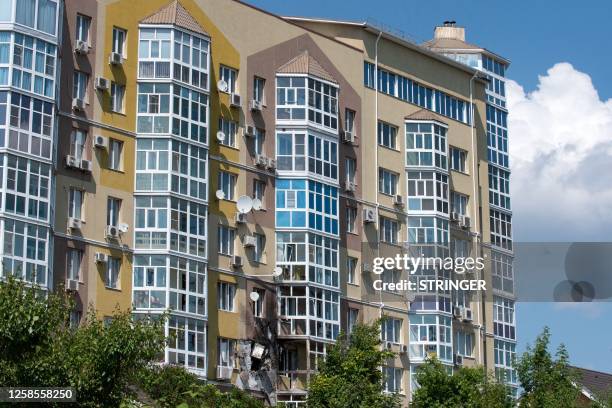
[(376, 157), (477, 239)]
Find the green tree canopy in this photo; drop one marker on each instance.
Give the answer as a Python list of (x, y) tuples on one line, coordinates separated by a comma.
[(350, 375), (547, 382), (467, 387)]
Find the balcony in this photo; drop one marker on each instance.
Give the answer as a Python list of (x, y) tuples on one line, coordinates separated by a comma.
[(293, 381)]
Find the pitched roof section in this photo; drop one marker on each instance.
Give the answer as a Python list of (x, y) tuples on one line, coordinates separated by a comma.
[(595, 382), (451, 43), (306, 64), (424, 115), (174, 13)]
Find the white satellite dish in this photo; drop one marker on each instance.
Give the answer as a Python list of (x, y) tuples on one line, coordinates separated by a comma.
[(244, 204), (278, 271), (254, 296), (222, 85), (257, 204), (220, 136), (220, 195)]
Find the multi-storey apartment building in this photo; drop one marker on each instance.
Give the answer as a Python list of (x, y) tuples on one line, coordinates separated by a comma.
[(242, 170), (449, 40)]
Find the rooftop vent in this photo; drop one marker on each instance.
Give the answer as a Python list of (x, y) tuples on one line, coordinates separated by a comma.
[(450, 30)]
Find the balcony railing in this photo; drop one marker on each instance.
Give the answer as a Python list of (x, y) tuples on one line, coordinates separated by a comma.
[(295, 380)]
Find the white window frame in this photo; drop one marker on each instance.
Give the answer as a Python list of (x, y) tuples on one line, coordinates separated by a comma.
[(351, 219), (83, 28), (230, 76), (351, 270), (80, 83), (387, 182), (74, 261), (259, 191), (113, 211), (230, 129), (76, 197), (457, 163), (226, 292), (117, 97), (259, 89), (113, 270), (226, 237), (119, 41), (226, 352), (258, 305), (390, 140), (227, 183), (115, 150)]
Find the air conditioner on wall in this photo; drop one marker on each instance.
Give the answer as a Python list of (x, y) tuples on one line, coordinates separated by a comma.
[(112, 231), (249, 241), (81, 47), (224, 373), (102, 83), (240, 218), (74, 223), (250, 130), (398, 200), (369, 215), (256, 105), (100, 257), (78, 104), (235, 100), (100, 141), (237, 261), (349, 186), (115, 58), (86, 165), (348, 137), (72, 285)]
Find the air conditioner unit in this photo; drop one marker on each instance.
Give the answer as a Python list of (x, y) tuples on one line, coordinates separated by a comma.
[(115, 58), (271, 164), (100, 257), (71, 161), (240, 218), (458, 360), (457, 312), (100, 141), (398, 200), (348, 137), (389, 345), (81, 47), (112, 231), (250, 131), (72, 284), (366, 267), (224, 373), (235, 100), (256, 105), (249, 241), (455, 216), (86, 165), (237, 261), (466, 222), (369, 215), (78, 104), (349, 186), (261, 160), (74, 223), (404, 349), (102, 83), (468, 315)]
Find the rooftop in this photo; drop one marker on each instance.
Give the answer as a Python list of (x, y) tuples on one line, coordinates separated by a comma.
[(174, 13), (306, 64)]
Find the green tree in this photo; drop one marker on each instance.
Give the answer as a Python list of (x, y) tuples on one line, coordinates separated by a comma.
[(38, 349), (547, 382), (172, 386), (350, 375), (467, 387)]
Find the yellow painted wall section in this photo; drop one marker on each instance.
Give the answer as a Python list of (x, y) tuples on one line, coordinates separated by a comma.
[(109, 300)]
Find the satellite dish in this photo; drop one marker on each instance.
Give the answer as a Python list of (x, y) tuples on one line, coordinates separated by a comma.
[(254, 296), (220, 195), (278, 271), (257, 204), (244, 204), (220, 136), (222, 85)]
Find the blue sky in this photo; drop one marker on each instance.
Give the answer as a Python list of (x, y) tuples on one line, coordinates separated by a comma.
[(560, 61)]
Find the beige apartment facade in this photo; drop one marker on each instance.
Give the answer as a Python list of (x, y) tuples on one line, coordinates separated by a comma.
[(242, 170)]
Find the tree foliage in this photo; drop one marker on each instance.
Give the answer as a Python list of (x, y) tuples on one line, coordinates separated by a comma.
[(350, 375), (547, 382), (467, 387), (38, 349), (172, 386)]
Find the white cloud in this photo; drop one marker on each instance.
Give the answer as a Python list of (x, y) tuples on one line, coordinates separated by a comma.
[(560, 141)]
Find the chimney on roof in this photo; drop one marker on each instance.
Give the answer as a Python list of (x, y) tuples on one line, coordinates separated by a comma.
[(450, 30)]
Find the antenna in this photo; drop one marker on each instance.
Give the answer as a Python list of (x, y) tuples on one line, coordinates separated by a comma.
[(254, 296), (220, 195), (220, 136), (244, 204), (222, 85), (278, 271), (257, 204)]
